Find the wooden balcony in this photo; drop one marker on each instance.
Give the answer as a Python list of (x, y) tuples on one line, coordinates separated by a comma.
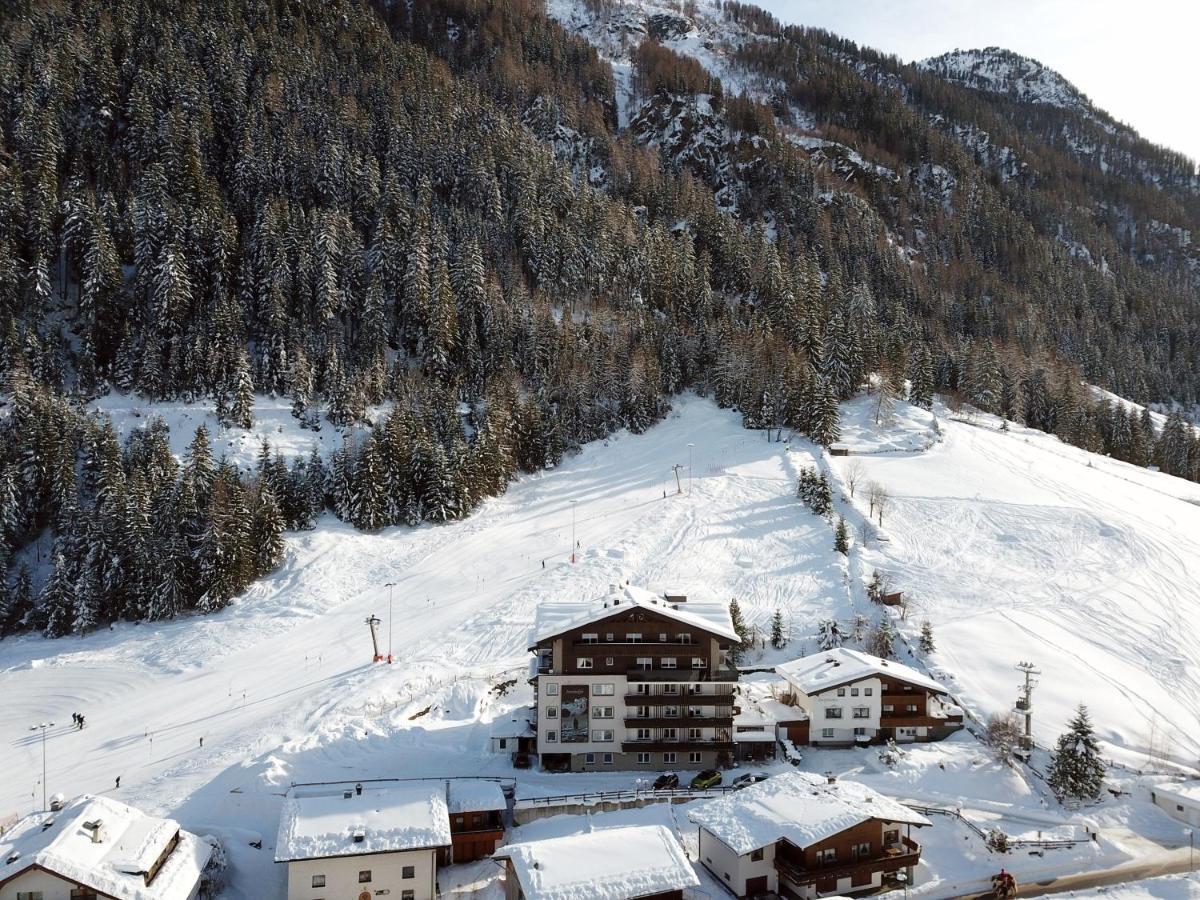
[(679, 722), (682, 699), (916, 720), (679, 746), (898, 856)]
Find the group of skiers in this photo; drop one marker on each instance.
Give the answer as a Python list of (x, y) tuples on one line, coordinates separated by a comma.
[(77, 718)]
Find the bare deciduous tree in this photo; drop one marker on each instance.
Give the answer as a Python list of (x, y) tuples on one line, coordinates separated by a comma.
[(1004, 732), (880, 500), (854, 473)]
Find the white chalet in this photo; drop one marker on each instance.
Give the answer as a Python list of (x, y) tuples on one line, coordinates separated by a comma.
[(802, 835), (97, 847), (364, 840), (644, 861), (1179, 800), (848, 697)]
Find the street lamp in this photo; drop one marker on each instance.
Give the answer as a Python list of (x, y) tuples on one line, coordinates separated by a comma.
[(43, 726), (902, 877), (389, 586), (1191, 848), (690, 446), (573, 506)]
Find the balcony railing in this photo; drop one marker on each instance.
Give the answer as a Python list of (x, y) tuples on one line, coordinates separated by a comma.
[(681, 674), (898, 856), (678, 746), (679, 721), (683, 698)]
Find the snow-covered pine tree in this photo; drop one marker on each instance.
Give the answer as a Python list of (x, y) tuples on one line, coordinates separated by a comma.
[(841, 537), (1077, 771), (881, 639), (927, 644), (778, 639), (739, 627), (921, 384), (57, 600), (829, 634)]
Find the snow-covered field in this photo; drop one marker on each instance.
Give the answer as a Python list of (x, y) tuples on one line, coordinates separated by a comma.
[(1013, 545)]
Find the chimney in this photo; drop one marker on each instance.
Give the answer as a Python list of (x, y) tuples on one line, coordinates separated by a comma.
[(358, 789), (96, 830), (360, 835), (830, 778)]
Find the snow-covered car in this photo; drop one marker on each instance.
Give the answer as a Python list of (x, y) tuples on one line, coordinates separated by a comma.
[(749, 778)]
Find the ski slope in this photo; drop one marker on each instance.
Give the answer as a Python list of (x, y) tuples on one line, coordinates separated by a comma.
[(1014, 546)]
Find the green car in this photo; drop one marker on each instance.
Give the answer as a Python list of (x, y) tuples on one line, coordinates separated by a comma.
[(706, 779)]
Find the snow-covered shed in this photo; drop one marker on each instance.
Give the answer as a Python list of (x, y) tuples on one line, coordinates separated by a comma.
[(97, 846), (807, 833), (1179, 800), (477, 808), (352, 839), (640, 861)]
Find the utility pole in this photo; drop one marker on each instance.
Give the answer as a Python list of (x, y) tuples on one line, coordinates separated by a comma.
[(1025, 702), (573, 506), (690, 448), (43, 726), (679, 487), (389, 586), (373, 622)]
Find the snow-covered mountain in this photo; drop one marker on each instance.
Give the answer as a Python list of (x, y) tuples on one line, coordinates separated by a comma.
[(1004, 72)]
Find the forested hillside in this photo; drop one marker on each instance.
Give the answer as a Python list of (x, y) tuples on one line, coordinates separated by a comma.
[(434, 211)]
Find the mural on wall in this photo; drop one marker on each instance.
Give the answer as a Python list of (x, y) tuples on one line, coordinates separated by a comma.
[(573, 714)]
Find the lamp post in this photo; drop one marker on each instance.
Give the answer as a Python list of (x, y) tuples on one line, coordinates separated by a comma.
[(1191, 848), (43, 726), (573, 506), (389, 586), (902, 877), (690, 446)]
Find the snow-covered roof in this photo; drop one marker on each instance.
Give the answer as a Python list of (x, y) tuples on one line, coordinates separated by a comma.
[(607, 864), (320, 821), (555, 618), (802, 807), (1182, 790), (130, 844), (832, 668), (471, 795)]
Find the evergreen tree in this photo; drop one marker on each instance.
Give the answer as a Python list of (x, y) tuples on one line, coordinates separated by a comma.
[(841, 537), (739, 626), (1077, 771), (778, 640), (829, 634), (57, 600), (927, 645)]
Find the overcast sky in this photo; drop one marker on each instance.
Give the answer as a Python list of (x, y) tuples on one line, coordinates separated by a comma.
[(1137, 59)]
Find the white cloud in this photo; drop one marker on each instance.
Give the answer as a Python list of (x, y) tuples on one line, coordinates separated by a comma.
[(1138, 61)]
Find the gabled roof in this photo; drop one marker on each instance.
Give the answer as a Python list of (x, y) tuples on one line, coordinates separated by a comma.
[(802, 807), (556, 618), (607, 864), (320, 821), (833, 668), (131, 842), (475, 795)]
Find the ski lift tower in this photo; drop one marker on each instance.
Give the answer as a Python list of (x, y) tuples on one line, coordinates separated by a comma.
[(1024, 704), (374, 622)]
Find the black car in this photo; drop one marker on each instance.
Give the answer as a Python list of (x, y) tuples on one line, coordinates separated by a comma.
[(666, 781)]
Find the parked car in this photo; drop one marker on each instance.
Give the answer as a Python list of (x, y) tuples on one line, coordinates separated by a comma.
[(749, 778), (706, 779), (521, 761), (666, 781)]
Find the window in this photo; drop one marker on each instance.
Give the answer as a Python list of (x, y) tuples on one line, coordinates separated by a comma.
[(833, 712), (602, 712), (662, 637), (552, 737), (860, 732), (584, 662), (645, 663), (861, 851), (694, 734), (887, 708), (608, 661), (694, 757), (853, 692), (602, 690), (602, 735), (81, 894), (552, 689), (670, 712), (862, 712), (695, 711), (826, 732), (669, 758), (589, 759), (841, 692), (670, 734), (911, 707), (641, 689), (756, 855), (609, 637), (891, 837), (684, 639), (670, 689), (668, 662), (641, 712), (590, 638), (606, 758), (883, 686), (551, 712), (458, 820), (364, 876), (408, 895), (29, 895), (908, 687), (634, 637), (699, 662), (868, 692), (318, 881), (408, 871), (825, 857), (503, 743), (695, 688), (643, 734), (643, 758)]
